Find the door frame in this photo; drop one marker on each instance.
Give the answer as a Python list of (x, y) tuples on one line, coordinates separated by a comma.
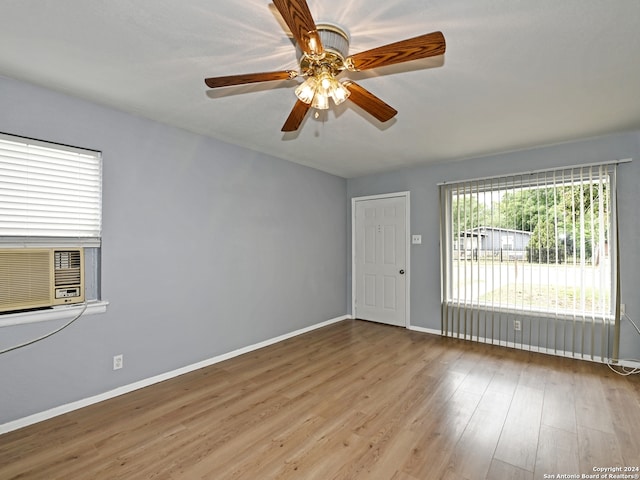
[(407, 201)]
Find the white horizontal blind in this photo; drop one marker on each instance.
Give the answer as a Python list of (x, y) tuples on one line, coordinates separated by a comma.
[(49, 193), (528, 260)]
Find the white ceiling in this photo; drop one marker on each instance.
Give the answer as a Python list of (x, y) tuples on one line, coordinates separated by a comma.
[(516, 74)]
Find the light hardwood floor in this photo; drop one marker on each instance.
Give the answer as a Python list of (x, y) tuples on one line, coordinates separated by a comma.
[(353, 400)]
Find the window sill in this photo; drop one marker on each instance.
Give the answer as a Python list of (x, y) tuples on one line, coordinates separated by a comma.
[(62, 312)]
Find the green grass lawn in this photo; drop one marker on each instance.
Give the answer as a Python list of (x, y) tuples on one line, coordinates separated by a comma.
[(548, 297)]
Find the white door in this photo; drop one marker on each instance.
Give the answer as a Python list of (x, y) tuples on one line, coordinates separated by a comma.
[(380, 253)]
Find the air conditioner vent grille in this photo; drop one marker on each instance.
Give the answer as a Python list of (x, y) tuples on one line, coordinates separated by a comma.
[(67, 267), (25, 279)]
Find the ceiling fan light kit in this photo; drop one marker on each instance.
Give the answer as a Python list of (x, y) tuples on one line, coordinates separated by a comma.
[(322, 51), (323, 69), (317, 89)]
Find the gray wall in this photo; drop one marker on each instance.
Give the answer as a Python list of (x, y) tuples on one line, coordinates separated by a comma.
[(207, 248), (422, 183)]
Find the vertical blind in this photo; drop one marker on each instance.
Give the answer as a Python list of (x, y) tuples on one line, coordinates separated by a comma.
[(529, 260), (49, 191)]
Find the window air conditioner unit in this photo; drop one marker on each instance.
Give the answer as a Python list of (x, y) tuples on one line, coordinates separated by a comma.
[(40, 277)]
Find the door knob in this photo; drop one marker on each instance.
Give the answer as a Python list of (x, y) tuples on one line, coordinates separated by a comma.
[(401, 272)]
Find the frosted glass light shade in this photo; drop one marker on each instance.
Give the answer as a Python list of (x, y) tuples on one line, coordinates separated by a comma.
[(306, 90), (316, 91)]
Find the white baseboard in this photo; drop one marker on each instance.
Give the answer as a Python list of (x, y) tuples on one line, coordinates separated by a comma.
[(630, 364), (633, 364), (69, 407), (432, 331)]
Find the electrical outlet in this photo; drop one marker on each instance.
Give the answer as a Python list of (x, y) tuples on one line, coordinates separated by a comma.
[(118, 362), (517, 326)]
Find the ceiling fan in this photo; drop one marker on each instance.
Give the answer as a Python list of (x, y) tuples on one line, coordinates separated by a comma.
[(323, 55)]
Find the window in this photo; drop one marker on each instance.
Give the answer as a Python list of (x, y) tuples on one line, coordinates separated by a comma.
[(535, 245), (507, 242), (49, 191), (51, 196)]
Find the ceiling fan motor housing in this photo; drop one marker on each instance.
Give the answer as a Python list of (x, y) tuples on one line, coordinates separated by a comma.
[(335, 41)]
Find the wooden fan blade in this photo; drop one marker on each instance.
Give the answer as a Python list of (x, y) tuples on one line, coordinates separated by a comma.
[(369, 102), (215, 82), (298, 18), (428, 45), (296, 116)]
